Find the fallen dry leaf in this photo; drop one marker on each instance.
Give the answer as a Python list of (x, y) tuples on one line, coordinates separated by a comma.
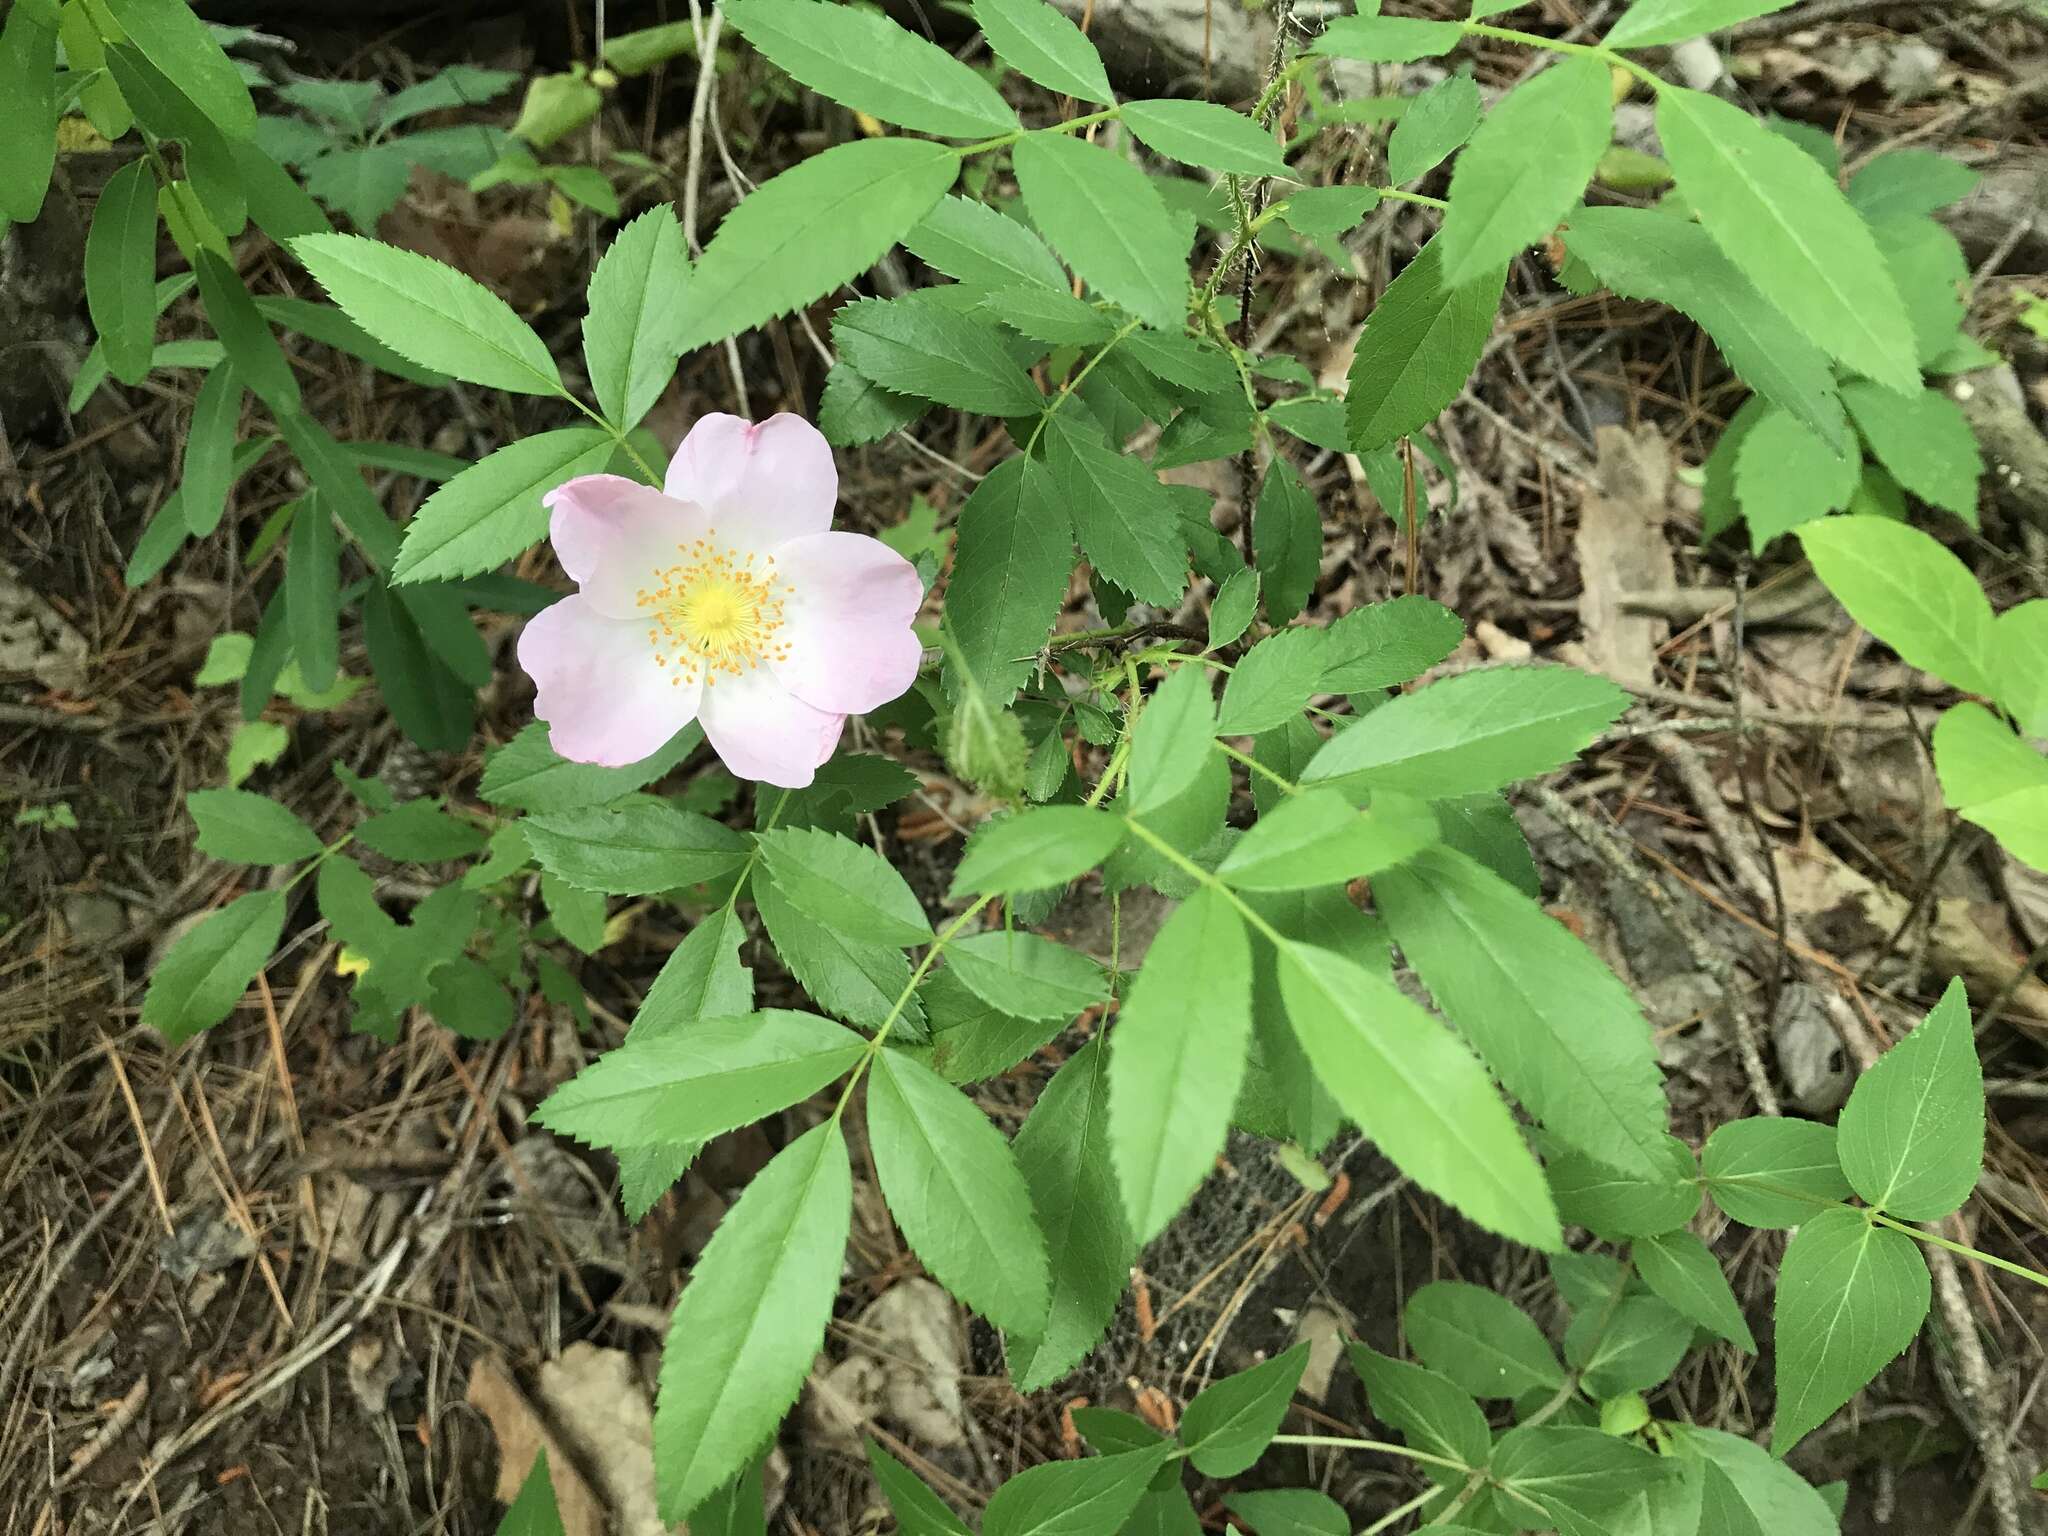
[(521, 1435), (1622, 549)]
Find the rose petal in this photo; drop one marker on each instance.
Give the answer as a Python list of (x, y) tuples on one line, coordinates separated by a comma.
[(612, 535), (763, 482), (850, 601), (604, 697), (761, 730)]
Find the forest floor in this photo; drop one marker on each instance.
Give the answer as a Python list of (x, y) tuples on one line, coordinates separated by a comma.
[(287, 1279)]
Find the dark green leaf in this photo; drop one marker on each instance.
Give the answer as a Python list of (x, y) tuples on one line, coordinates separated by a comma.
[(205, 972), (1419, 346), (1104, 216), (120, 270), (634, 851), (1482, 1341), (244, 828)]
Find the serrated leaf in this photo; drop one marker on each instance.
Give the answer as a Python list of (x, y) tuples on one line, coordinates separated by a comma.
[(1386, 39), (1106, 220), (1173, 738), (856, 980), (1318, 837), (1924, 440), (1909, 183), (1287, 540), (204, 974), (1786, 477), (430, 313), (1418, 347), (1234, 607), (1044, 314), (1480, 1340), (854, 409), (1473, 732), (2020, 637), (1851, 1296), (1617, 1206), (1651, 23), (1123, 517), (822, 222), (245, 828), (1769, 1172), (974, 244), (1044, 47), (751, 1319), (1433, 1413), (1780, 218), (1437, 121), (1681, 1269), (1992, 778), (1010, 570), (702, 978), (1323, 213), (1177, 1058), (863, 60), (1202, 133), (1272, 682), (629, 333), (1034, 849), (848, 887), (1526, 167), (1911, 1137), (955, 1189), (1909, 591), (1416, 1091), (918, 346), (526, 774), (1026, 976), (1230, 1422), (1386, 644), (635, 850), (1091, 1497), (421, 832)]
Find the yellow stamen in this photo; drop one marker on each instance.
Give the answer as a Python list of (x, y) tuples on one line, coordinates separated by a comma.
[(715, 613)]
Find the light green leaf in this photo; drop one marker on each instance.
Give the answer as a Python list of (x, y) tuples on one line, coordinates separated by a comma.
[(1650, 23), (695, 1083), (1383, 645), (848, 887), (1175, 733), (1416, 1091), (1911, 1137), (1234, 607), (1786, 477), (1386, 39), (822, 222), (526, 775), (1924, 440), (1681, 1269), (1202, 133), (1768, 1172), (209, 471), (975, 244), (751, 1319), (1526, 167), (1292, 1512), (1091, 1497), (1419, 345), (1035, 849), (702, 978), (1177, 1058), (1045, 47), (629, 343), (2021, 639), (1482, 1341), (1931, 272), (245, 828), (1616, 1206), (492, 511), (120, 270), (171, 36), (1045, 314), (1905, 587), (1063, 1150), (534, 1513), (430, 313), (28, 62), (1851, 1296), (854, 979), (204, 974), (1272, 682), (1010, 569), (1432, 1412), (1318, 837), (1776, 1500), (1780, 218), (1631, 1348), (1992, 778), (1575, 1475), (1123, 517), (1437, 122), (255, 744), (1231, 1422), (1026, 976), (1472, 732), (863, 60), (1287, 541), (421, 832), (1106, 219), (919, 346), (955, 1189), (634, 851), (1325, 212), (1909, 183)]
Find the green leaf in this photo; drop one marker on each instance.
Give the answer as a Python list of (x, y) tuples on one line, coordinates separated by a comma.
[(1044, 47), (1091, 1497), (1437, 122), (420, 832), (526, 775), (1287, 541), (1642, 253), (1318, 837), (1231, 1422), (1930, 271), (1924, 440), (1290, 1512), (975, 244), (1992, 778), (1326, 212), (955, 1189), (1175, 733), (1035, 849), (2021, 639), (1482, 1341), (822, 222), (1122, 516), (1202, 133), (1432, 1412), (1272, 682), (243, 334), (244, 828), (1420, 344), (1850, 1297), (313, 594), (1767, 1172), (209, 471), (863, 60), (1750, 1491), (1786, 477), (362, 183), (429, 312), (702, 978), (467, 1000), (1176, 1061), (340, 483), (1780, 218), (1526, 167), (1416, 1091), (1010, 570), (492, 511), (1909, 183), (171, 36), (1909, 591), (628, 335), (1651, 23), (635, 850), (120, 270), (1681, 1269), (28, 61), (1472, 732), (1045, 314), (1911, 1137), (1386, 39), (972, 1039), (918, 1511), (848, 887), (1616, 1206), (1575, 1475), (205, 972), (1107, 221), (919, 346), (1386, 644), (1063, 1150), (1629, 1348), (1026, 976), (852, 978), (1236, 604), (533, 1513), (751, 1319)]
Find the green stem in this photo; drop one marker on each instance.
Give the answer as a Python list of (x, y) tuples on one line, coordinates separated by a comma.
[(1345, 1442), (1286, 785), (1194, 871), (1465, 1496), (1938, 1241), (1394, 1516), (1598, 51), (1002, 140), (618, 435), (1059, 397), (320, 858), (1401, 196), (939, 942), (739, 882)]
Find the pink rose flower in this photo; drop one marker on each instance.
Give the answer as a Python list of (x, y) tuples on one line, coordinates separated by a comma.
[(723, 597)]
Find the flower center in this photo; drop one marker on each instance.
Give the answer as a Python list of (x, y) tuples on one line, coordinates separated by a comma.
[(715, 612)]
